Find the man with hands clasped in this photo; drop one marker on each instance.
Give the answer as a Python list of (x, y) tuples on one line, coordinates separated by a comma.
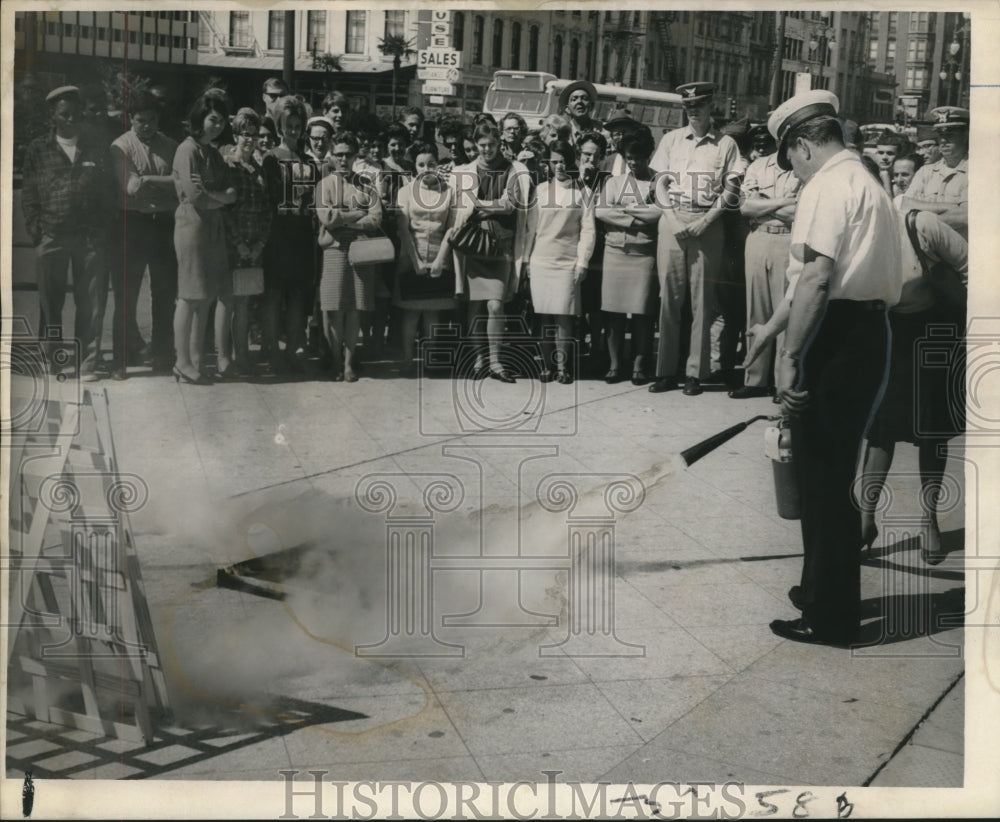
[(845, 271)]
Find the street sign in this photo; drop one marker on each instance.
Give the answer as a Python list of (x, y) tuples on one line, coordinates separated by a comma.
[(436, 99), (438, 87), (438, 73), (454, 75), (443, 58)]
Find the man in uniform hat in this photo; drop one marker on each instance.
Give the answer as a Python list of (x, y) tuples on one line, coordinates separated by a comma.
[(577, 102), (695, 163), (845, 271), (943, 187), (67, 201), (768, 200)]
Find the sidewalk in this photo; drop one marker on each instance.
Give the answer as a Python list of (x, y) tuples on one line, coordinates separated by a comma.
[(696, 689)]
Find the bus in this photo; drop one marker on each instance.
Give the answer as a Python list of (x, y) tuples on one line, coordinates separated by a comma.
[(535, 95)]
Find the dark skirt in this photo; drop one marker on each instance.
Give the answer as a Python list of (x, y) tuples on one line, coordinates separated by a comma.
[(924, 399), (290, 254)]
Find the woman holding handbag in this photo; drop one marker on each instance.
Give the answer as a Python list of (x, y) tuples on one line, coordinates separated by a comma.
[(425, 279), (490, 240), (561, 238), (248, 224), (349, 210)]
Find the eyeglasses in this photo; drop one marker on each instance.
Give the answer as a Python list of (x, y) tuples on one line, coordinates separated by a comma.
[(272, 95)]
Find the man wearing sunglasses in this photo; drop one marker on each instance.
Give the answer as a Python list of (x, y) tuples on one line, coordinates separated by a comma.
[(274, 89)]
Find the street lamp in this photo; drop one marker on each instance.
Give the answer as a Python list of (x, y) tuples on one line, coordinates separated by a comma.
[(953, 70), (821, 37)]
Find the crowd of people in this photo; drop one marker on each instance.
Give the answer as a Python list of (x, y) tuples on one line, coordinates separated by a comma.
[(264, 227), (330, 236)]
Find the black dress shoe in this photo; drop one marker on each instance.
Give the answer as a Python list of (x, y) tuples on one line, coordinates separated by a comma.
[(502, 376), (663, 384), (692, 387), (799, 630), (613, 377), (748, 392)]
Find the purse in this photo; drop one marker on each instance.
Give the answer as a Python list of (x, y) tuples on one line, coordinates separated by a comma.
[(248, 280), (371, 251), (474, 239), (942, 277)]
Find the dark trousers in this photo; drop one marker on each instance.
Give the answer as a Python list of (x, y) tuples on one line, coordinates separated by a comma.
[(843, 369), (88, 259), (144, 240)]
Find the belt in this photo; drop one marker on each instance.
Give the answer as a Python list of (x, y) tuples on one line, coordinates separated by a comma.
[(859, 305), (775, 229), (693, 209)]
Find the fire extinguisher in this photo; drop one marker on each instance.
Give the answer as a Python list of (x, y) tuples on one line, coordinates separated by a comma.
[(778, 446)]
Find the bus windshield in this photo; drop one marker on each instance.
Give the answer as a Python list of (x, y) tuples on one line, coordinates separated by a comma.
[(523, 102)]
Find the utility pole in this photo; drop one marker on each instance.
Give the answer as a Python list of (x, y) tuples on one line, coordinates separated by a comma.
[(774, 99), (288, 64)]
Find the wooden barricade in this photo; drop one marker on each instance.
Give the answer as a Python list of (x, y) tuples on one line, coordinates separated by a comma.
[(80, 632)]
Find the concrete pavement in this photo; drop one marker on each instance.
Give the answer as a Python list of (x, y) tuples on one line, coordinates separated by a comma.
[(685, 683)]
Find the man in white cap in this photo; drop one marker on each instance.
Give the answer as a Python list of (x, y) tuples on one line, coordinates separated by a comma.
[(845, 271), (943, 187)]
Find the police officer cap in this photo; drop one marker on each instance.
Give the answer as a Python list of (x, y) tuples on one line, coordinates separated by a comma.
[(319, 120), (759, 132), (950, 117), (798, 110), (694, 93), (63, 92), (586, 85)]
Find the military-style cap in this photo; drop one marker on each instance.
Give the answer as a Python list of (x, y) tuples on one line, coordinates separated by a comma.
[(586, 85), (926, 133), (950, 117), (63, 92), (620, 121), (759, 131), (695, 93), (798, 110)]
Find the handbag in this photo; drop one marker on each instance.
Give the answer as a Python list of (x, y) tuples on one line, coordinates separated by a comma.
[(248, 280), (475, 239), (371, 251), (941, 276)]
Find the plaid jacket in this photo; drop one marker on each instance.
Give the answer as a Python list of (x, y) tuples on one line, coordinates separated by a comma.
[(60, 197)]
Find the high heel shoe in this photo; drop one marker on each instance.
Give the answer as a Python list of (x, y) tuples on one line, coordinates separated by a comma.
[(639, 377), (868, 537), (613, 377), (180, 376)]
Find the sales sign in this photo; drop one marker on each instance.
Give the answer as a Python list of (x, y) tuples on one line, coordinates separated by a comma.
[(441, 58)]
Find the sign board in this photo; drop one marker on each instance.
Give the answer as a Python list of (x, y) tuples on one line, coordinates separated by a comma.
[(454, 75), (803, 81), (436, 99), (438, 87), (437, 73), (441, 58)]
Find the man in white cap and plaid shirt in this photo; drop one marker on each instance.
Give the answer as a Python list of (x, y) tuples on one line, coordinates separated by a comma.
[(845, 271)]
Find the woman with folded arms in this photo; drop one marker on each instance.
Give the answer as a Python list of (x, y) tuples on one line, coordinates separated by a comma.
[(201, 178), (348, 208), (561, 238), (630, 285)]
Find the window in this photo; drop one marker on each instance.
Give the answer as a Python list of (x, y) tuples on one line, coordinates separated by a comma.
[(478, 25), (239, 29), (133, 37), (458, 30), (102, 33), (515, 46), (919, 21), (178, 42), (67, 30), (180, 15), (497, 42), (916, 79), (533, 49), (84, 30), (204, 31), (395, 23), (890, 55), (276, 30), (118, 35), (557, 46), (636, 20), (50, 28), (605, 63), (893, 20), (161, 40), (588, 66), (316, 30), (873, 49), (355, 32), (916, 50), (574, 59), (147, 38)]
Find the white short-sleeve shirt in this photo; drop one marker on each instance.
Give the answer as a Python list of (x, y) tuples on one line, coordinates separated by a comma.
[(845, 214)]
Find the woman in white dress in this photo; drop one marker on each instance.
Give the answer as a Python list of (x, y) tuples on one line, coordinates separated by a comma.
[(561, 238)]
